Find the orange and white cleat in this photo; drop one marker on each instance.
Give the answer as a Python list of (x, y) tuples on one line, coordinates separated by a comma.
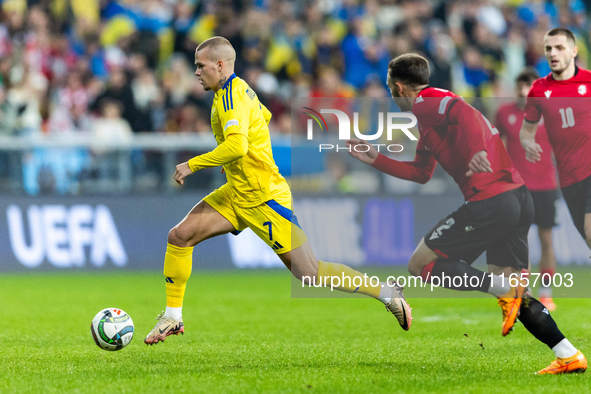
[(548, 302), (399, 307), (510, 304), (165, 327), (574, 364)]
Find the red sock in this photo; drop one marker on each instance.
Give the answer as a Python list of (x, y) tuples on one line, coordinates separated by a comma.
[(545, 280), (548, 271), (426, 272)]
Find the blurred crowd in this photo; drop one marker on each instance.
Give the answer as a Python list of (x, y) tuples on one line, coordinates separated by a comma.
[(114, 68), (80, 65)]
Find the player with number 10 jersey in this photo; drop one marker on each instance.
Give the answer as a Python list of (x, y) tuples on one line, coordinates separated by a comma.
[(563, 98), (565, 106)]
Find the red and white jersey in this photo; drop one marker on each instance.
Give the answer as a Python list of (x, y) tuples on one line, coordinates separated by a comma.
[(566, 108), (540, 176), (452, 131)]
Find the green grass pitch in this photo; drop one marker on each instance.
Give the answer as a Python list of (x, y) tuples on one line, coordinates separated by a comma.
[(244, 333)]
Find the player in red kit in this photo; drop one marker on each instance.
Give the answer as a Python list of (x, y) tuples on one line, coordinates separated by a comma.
[(563, 98), (498, 210), (540, 178)]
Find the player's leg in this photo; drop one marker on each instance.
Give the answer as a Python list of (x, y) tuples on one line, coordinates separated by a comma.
[(448, 250), (305, 267), (588, 226), (545, 207), (547, 258), (275, 223), (547, 267), (587, 210), (204, 221), (538, 321), (578, 200), (428, 264), (201, 223), (511, 257)]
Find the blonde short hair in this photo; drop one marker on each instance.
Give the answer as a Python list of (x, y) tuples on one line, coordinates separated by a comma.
[(219, 49)]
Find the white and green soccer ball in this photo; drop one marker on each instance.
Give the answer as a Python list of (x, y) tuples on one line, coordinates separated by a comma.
[(112, 329)]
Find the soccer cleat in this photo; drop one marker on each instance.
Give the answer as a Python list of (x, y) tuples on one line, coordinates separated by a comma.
[(399, 307), (548, 302), (165, 327), (574, 364), (510, 304)]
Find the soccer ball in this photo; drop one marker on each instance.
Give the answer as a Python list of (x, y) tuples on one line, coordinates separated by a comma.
[(112, 329)]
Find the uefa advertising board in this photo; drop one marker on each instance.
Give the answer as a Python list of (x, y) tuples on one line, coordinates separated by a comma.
[(130, 232)]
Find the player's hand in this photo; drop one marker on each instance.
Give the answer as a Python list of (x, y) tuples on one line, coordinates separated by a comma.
[(182, 171), (533, 152), (360, 154), (479, 163)]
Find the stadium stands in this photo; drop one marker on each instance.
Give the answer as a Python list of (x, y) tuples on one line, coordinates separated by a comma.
[(116, 69)]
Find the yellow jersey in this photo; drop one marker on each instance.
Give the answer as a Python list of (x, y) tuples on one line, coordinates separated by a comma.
[(254, 177)]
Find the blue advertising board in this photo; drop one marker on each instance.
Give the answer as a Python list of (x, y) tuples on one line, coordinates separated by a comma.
[(130, 232)]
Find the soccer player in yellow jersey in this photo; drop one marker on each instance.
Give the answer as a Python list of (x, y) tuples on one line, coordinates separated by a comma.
[(255, 196)]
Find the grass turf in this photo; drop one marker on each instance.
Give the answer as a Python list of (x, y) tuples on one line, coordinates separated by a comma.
[(245, 334)]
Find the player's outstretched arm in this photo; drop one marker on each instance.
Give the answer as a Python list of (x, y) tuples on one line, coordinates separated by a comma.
[(420, 170), (233, 148), (527, 137), (365, 157)]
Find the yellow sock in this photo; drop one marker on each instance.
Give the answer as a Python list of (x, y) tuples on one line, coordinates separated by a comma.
[(178, 263), (346, 281)]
